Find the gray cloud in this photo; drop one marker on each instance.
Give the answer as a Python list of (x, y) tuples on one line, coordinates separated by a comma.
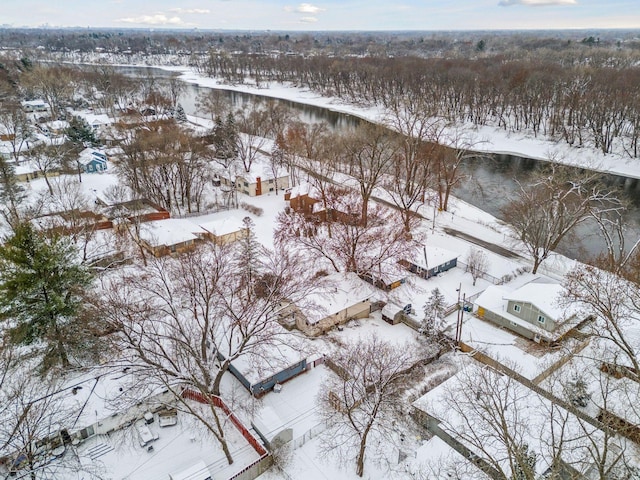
[(536, 3)]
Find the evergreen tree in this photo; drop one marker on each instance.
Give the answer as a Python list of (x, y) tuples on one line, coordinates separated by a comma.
[(433, 313), (576, 392), (180, 115), (80, 132), (225, 138), (248, 256), (41, 285)]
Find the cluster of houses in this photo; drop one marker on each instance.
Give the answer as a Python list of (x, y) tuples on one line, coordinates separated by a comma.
[(531, 310)]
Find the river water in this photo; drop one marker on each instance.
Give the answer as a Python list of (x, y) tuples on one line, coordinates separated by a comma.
[(490, 181)]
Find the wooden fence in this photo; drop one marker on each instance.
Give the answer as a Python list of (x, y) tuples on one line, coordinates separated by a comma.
[(217, 401)]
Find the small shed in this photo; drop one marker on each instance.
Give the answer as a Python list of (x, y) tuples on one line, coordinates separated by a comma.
[(430, 261), (392, 313), (271, 428), (198, 471)]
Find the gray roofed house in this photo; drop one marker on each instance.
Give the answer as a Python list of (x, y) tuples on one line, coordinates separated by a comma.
[(533, 310)]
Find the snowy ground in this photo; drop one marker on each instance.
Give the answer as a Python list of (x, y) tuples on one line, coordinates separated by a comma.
[(294, 407), (177, 448)]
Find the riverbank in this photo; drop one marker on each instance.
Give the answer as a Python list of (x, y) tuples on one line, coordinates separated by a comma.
[(486, 139)]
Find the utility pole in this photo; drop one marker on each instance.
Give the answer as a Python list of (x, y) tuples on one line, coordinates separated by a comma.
[(460, 315)]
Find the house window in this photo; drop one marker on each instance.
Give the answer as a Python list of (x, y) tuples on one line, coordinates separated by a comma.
[(271, 180), (517, 308), (246, 184), (541, 319)]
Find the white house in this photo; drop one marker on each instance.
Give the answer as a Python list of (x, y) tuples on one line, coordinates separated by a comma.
[(37, 105)]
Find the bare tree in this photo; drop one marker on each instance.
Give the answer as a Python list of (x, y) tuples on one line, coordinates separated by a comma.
[(603, 453), (125, 212), (370, 250), (253, 127), (54, 83), (361, 401), (616, 304), (170, 348), (31, 414), (548, 208), (47, 159), (447, 158), (166, 164), (411, 170), (15, 125), (488, 414), (367, 156), (617, 257), (200, 312), (213, 103), (477, 263)]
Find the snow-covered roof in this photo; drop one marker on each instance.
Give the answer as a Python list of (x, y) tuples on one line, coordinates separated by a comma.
[(222, 226), (389, 271), (346, 290), (171, 231), (94, 119), (545, 296), (89, 155), (24, 168), (529, 413), (262, 364), (304, 188), (494, 299), (261, 168), (35, 103), (5, 149), (198, 471), (56, 124), (436, 456), (435, 256), (390, 310)]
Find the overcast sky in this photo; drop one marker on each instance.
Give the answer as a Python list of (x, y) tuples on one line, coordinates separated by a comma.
[(325, 14)]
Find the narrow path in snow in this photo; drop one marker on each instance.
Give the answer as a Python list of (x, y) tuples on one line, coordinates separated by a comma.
[(483, 243)]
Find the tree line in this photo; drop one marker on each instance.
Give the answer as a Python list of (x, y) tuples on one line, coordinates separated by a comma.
[(585, 104)]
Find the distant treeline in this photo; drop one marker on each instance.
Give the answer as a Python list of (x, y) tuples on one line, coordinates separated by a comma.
[(591, 103), (420, 44)]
